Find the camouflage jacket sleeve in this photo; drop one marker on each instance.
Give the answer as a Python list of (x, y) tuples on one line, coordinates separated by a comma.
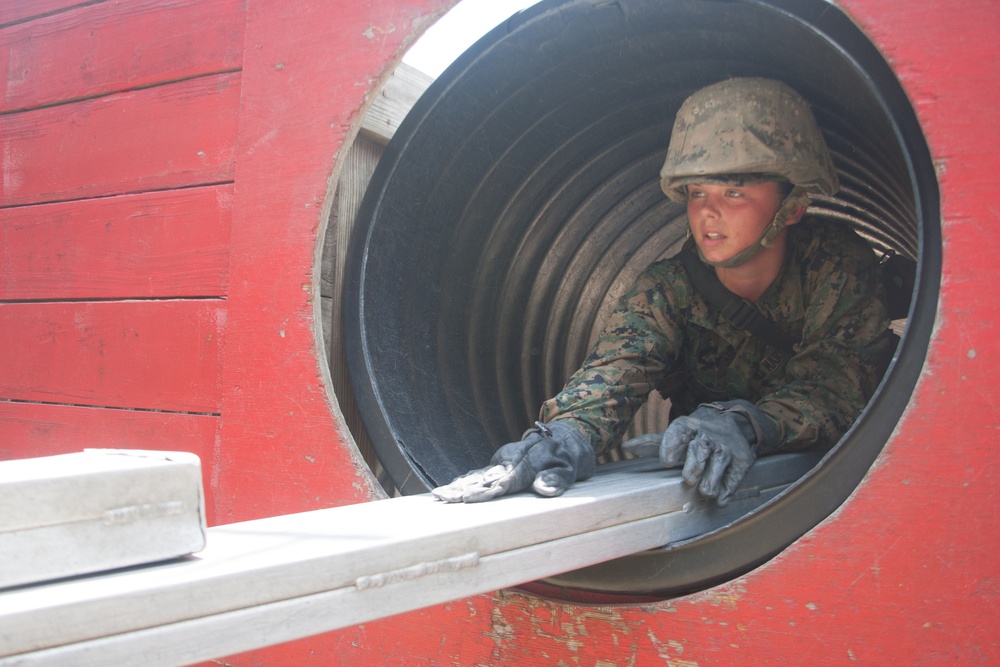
[(636, 350), (826, 297)]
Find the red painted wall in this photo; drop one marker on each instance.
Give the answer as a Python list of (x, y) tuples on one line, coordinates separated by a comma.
[(166, 170)]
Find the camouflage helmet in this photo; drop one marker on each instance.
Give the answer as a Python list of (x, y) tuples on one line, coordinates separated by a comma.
[(749, 128)]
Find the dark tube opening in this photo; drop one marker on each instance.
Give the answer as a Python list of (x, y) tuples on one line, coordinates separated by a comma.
[(520, 198)]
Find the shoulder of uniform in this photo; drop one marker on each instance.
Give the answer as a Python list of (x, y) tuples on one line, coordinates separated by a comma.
[(669, 271), (666, 276), (826, 236)]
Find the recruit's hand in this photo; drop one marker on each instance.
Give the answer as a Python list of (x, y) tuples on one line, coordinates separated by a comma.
[(717, 444), (548, 460)]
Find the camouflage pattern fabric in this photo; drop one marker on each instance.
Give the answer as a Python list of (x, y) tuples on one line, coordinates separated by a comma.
[(663, 337)]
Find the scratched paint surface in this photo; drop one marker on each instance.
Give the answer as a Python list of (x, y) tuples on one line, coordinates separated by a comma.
[(904, 573), (892, 576)]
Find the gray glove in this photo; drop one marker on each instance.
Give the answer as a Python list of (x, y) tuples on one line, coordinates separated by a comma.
[(548, 460), (718, 443)]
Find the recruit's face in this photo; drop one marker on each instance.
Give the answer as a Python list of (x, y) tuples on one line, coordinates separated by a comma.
[(727, 219)]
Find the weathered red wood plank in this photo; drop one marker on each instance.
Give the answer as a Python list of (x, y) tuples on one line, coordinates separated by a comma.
[(31, 429), (276, 403), (20, 10), (112, 47), (169, 136), (160, 355), (161, 244)]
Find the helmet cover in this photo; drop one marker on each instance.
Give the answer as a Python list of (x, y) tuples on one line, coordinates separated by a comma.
[(743, 129)]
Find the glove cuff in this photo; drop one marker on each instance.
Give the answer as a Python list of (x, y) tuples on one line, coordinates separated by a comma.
[(570, 440), (761, 431)]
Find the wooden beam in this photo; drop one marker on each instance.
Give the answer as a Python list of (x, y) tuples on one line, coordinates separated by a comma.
[(12, 11), (273, 580), (394, 101), (166, 244), (169, 136), (107, 47), (154, 355)]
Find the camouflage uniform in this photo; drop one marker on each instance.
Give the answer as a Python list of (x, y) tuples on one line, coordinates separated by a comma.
[(663, 337)]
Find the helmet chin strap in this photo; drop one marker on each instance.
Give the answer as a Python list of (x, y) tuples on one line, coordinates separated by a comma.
[(797, 197)]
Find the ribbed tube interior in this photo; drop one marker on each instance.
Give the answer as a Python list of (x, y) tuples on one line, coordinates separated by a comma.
[(520, 198)]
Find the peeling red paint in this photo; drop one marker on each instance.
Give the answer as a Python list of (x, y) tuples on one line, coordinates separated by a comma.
[(905, 572)]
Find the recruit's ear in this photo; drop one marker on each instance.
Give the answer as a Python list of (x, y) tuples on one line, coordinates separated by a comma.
[(795, 215)]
